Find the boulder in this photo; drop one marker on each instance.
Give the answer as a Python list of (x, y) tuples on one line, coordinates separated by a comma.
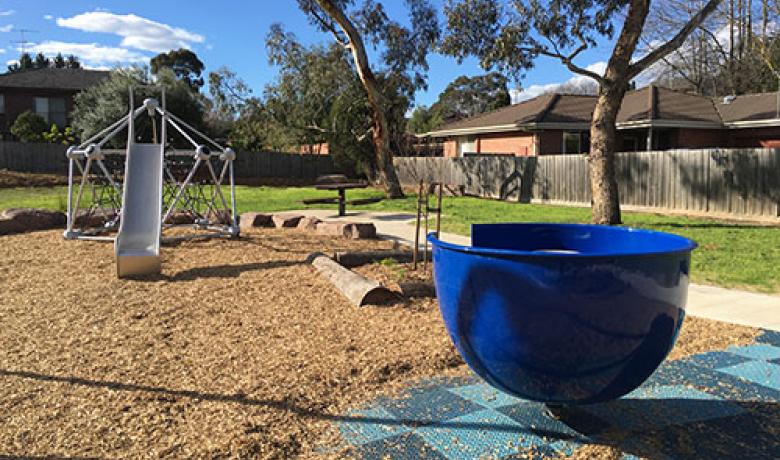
[(308, 223), (86, 219), (286, 220), (219, 217), (181, 218), (27, 220), (8, 226), (352, 230), (249, 220)]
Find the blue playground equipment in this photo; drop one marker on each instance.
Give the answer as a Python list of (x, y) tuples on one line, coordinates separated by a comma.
[(563, 314)]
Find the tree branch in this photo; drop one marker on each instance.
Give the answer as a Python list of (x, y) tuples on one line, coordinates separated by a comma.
[(655, 55)]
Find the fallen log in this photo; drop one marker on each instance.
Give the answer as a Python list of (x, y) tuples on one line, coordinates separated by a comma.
[(355, 287), (351, 259)]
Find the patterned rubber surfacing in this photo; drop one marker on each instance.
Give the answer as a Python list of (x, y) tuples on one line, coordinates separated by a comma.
[(723, 404)]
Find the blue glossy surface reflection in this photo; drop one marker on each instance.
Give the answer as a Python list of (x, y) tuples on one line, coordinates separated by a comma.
[(563, 313)]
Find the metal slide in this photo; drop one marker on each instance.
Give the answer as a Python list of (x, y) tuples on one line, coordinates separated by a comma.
[(137, 245)]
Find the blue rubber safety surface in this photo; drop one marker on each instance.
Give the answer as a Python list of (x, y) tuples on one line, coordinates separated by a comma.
[(721, 404)]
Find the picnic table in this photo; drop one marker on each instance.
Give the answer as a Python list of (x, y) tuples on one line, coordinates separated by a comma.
[(341, 184)]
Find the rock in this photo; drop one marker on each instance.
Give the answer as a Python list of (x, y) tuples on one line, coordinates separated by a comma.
[(352, 230), (249, 220), (27, 220), (222, 217), (86, 219), (308, 223), (361, 231), (286, 220), (8, 226), (181, 218)]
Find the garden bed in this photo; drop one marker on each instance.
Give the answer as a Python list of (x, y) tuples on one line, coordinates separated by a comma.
[(239, 348)]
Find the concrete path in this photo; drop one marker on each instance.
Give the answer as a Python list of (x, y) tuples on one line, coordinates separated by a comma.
[(729, 305)]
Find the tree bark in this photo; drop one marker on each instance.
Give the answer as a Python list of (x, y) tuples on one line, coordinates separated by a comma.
[(620, 71), (380, 134)]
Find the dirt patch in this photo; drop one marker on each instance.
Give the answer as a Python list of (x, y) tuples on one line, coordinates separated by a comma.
[(19, 179), (239, 348)]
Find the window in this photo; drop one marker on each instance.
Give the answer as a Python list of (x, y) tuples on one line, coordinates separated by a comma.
[(572, 142), (2, 103), (467, 145), (51, 109)]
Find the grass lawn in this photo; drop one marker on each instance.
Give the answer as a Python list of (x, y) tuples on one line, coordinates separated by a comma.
[(730, 254)]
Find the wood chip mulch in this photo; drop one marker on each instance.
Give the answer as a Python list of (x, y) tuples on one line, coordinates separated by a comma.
[(20, 179), (239, 349)]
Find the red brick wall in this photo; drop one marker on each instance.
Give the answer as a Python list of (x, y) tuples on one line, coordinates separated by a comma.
[(755, 137), (18, 101), (518, 144), (688, 138), (450, 149)]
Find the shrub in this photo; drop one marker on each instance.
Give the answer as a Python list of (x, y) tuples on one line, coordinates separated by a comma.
[(55, 136), (29, 127)]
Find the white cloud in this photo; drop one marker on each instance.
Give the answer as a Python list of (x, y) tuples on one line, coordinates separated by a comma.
[(91, 54), (578, 84), (12, 62), (7, 12), (7, 28), (136, 32), (3, 50), (48, 17)]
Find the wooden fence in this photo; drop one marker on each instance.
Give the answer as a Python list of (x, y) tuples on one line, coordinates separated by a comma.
[(50, 158), (744, 182)]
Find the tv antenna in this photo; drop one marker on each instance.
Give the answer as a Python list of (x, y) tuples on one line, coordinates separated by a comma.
[(23, 42)]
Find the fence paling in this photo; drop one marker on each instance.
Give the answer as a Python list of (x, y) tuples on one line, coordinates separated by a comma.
[(727, 181)]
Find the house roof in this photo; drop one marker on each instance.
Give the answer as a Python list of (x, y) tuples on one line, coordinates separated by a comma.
[(51, 78), (649, 106), (748, 107)]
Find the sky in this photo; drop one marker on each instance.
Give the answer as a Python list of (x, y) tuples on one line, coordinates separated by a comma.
[(230, 33)]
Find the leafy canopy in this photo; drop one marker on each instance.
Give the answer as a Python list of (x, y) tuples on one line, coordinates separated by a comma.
[(185, 65), (510, 38), (103, 104), (403, 50)]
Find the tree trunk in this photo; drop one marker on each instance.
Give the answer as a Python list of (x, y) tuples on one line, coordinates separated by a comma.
[(380, 135), (605, 207)]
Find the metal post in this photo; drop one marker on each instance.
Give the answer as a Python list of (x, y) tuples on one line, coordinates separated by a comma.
[(70, 196), (416, 248), (425, 236), (342, 202), (438, 212)]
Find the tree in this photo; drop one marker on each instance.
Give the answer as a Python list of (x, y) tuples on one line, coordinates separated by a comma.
[(59, 61), (41, 61), (424, 120), (29, 127), (511, 38), (25, 63), (102, 104), (73, 62), (405, 52), (469, 96), (184, 64)]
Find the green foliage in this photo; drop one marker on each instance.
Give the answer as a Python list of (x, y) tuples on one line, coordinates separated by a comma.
[(318, 98), (41, 61), (55, 136), (463, 98), (29, 127), (510, 38), (403, 47), (101, 105), (184, 64), (26, 62)]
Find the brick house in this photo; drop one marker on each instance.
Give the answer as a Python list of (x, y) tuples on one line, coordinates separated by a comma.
[(48, 92), (652, 118)]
